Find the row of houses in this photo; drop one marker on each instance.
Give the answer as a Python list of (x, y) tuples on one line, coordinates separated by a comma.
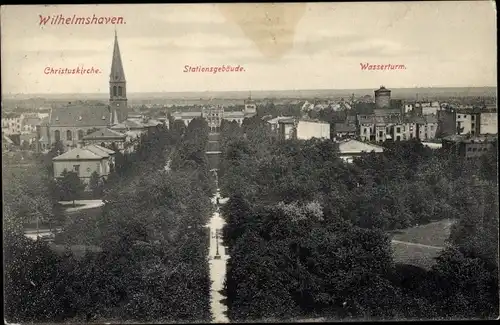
[(306, 129), (388, 125), (25, 123)]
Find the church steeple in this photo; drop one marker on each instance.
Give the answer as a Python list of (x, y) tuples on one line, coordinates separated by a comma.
[(117, 73), (117, 85)]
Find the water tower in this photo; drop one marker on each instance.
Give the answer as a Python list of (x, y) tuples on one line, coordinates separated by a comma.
[(382, 98)]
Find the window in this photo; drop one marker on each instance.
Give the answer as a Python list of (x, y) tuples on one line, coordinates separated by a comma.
[(398, 138), (472, 117), (57, 135), (365, 131), (76, 169), (380, 133), (69, 136), (398, 130), (120, 91), (80, 134), (469, 149), (458, 116), (432, 127), (114, 91)]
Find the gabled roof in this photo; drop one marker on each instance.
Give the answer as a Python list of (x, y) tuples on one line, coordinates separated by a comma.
[(417, 119), (344, 127), (78, 153), (279, 118), (80, 115), (371, 119), (354, 146), (104, 133), (101, 151), (386, 111)]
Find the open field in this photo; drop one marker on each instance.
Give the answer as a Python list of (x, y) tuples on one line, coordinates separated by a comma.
[(433, 234), (420, 245)]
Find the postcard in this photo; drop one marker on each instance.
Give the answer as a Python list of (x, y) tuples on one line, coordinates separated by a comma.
[(250, 162)]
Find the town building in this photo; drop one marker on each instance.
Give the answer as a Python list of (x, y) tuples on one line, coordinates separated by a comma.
[(469, 147), (274, 122), (11, 123), (375, 128), (84, 161), (344, 130), (214, 114), (465, 121), (30, 123), (447, 122), (488, 122), (427, 126), (106, 138), (303, 129), (351, 148)]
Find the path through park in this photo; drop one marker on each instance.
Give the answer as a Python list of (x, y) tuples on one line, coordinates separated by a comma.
[(218, 258)]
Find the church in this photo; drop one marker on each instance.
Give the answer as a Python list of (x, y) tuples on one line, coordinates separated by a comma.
[(73, 122)]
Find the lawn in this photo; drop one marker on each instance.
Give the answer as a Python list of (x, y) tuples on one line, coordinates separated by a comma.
[(423, 257), (432, 234)]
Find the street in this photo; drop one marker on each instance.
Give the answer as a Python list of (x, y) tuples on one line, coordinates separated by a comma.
[(217, 264)]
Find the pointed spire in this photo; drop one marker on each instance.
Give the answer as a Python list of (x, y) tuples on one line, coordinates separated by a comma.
[(117, 73)]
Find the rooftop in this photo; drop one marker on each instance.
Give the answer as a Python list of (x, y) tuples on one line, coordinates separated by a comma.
[(92, 152), (352, 146), (104, 133), (464, 138), (80, 115), (279, 118), (344, 127)]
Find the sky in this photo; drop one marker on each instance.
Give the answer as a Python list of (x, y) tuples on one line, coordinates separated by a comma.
[(280, 46)]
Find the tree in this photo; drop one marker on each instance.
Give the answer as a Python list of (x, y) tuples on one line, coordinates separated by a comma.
[(70, 186), (95, 185)]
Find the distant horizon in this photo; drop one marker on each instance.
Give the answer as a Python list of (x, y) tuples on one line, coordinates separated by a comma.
[(249, 91)]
